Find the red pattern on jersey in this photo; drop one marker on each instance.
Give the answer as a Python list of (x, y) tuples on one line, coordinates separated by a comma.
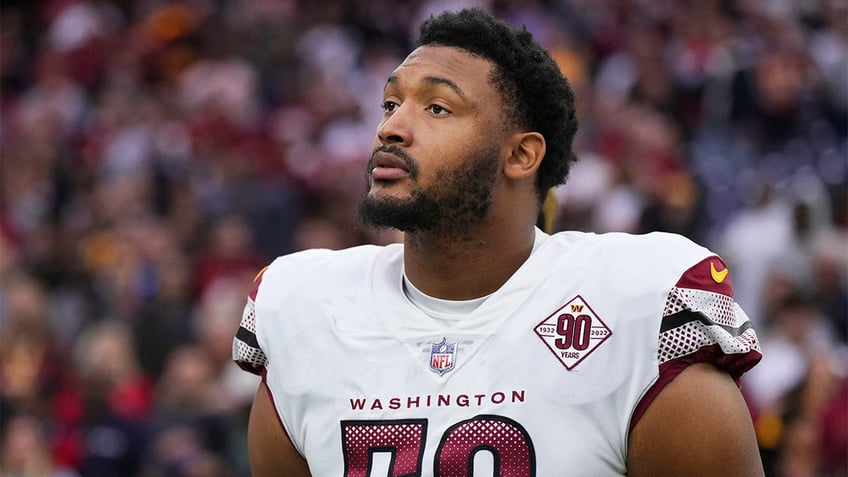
[(403, 438), (505, 438)]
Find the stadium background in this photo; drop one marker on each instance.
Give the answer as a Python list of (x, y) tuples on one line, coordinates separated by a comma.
[(155, 155)]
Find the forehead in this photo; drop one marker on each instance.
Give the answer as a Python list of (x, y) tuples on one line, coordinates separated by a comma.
[(470, 73)]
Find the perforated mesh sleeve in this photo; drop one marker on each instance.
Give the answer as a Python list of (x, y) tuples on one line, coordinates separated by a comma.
[(697, 335), (246, 350), (702, 323)]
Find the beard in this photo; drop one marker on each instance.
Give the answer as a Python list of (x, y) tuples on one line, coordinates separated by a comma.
[(460, 196)]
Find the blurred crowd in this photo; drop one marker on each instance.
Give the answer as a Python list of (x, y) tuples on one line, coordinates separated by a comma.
[(156, 154)]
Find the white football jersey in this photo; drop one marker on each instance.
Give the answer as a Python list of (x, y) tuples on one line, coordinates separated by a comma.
[(546, 377)]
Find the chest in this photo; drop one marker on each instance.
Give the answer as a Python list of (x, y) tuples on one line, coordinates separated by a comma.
[(542, 390)]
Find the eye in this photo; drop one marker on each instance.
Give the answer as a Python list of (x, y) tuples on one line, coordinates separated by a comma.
[(437, 110), (389, 106)]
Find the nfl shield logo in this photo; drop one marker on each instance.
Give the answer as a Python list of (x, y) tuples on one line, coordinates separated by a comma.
[(442, 356)]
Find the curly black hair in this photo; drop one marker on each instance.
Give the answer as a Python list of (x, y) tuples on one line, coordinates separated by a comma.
[(536, 95)]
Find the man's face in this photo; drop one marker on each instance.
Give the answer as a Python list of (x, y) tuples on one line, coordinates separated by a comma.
[(437, 152)]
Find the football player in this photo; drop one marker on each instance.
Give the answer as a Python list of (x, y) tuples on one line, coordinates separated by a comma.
[(482, 345)]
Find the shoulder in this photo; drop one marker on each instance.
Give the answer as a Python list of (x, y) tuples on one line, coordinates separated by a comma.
[(658, 247), (308, 269), (299, 279), (315, 260), (654, 245), (637, 262)]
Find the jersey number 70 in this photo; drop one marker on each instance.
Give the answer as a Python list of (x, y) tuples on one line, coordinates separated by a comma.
[(405, 439)]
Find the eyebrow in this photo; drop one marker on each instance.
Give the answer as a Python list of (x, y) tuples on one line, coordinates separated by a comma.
[(433, 81)]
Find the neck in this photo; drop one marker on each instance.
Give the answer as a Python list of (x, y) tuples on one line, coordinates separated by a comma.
[(462, 268)]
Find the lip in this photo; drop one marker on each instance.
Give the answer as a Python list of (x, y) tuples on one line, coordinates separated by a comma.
[(388, 160), (387, 166)]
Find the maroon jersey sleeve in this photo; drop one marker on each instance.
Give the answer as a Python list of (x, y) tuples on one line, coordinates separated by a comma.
[(246, 350), (702, 323)]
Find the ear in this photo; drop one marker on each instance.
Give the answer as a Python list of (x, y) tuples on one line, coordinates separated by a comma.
[(526, 152)]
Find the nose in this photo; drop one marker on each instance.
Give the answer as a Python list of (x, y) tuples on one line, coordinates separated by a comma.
[(394, 129)]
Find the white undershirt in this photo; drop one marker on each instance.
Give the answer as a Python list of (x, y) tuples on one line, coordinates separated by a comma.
[(446, 310), (451, 310)]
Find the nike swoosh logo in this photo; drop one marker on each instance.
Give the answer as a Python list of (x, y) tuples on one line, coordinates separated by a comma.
[(718, 276)]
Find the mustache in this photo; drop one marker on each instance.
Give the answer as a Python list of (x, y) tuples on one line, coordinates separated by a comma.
[(408, 161)]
